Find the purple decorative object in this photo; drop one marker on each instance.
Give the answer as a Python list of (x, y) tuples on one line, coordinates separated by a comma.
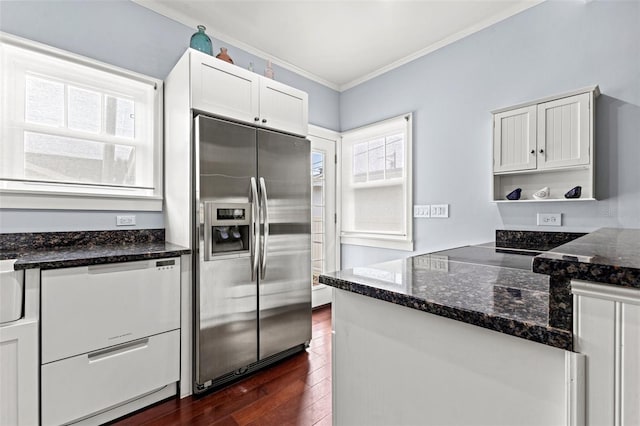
[(515, 194), (574, 192)]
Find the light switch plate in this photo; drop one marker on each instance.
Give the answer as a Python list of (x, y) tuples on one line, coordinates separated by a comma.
[(421, 211), (440, 210), (549, 219)]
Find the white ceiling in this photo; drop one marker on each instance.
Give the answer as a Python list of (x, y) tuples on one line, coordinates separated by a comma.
[(339, 43)]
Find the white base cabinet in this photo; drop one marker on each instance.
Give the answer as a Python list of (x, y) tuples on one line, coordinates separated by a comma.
[(19, 364), (393, 365), (110, 339), (607, 331), (88, 384), (19, 373)]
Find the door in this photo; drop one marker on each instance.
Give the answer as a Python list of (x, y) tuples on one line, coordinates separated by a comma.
[(226, 291), (285, 266), (563, 132), (514, 140), (323, 212)]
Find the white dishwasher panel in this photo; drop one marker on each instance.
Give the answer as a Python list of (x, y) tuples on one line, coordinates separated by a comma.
[(87, 384), (94, 307)]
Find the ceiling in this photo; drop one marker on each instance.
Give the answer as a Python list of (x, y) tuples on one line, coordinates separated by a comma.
[(339, 43)]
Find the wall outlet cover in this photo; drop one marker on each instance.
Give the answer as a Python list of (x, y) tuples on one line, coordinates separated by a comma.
[(549, 219), (129, 220)]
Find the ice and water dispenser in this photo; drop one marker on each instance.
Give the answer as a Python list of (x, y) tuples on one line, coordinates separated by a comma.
[(227, 228)]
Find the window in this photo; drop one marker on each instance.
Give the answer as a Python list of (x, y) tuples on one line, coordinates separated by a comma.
[(76, 133), (376, 185)]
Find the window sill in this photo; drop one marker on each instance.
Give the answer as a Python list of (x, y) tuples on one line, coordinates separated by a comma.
[(57, 201), (394, 244)]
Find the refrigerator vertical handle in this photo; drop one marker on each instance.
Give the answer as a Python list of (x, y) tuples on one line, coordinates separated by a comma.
[(255, 228), (264, 205), (206, 207)]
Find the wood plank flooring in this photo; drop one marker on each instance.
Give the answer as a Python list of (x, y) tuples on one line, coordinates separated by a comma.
[(296, 391)]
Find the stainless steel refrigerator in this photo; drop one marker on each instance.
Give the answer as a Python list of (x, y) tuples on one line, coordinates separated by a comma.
[(253, 264)]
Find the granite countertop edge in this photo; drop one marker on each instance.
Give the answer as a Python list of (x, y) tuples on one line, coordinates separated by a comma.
[(53, 258), (562, 339), (606, 256), (587, 271)]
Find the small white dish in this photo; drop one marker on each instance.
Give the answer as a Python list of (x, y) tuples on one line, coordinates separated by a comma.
[(541, 194)]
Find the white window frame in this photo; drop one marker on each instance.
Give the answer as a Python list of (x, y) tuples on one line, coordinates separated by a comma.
[(23, 193), (403, 241)]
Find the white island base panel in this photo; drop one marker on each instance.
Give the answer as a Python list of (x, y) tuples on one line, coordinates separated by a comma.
[(393, 365)]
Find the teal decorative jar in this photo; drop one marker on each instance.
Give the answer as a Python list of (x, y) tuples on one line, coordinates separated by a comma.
[(201, 41)]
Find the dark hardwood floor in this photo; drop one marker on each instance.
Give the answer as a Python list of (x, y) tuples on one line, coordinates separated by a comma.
[(296, 391)]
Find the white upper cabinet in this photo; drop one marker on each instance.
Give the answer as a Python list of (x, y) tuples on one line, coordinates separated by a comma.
[(283, 107), (514, 140), (226, 90), (564, 132), (546, 145)]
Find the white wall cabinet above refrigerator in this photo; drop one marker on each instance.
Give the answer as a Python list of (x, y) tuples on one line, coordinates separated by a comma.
[(226, 90), (546, 143)]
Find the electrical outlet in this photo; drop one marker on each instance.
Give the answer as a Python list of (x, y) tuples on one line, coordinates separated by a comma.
[(421, 211), (125, 220), (549, 219), (440, 210)]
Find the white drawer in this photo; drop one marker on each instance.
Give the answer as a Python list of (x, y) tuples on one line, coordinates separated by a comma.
[(93, 307), (87, 384)]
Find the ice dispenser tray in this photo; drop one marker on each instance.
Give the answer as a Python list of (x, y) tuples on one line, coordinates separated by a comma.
[(227, 227)]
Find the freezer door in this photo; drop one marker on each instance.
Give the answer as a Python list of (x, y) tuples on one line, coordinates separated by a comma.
[(285, 278), (226, 160), (226, 317), (228, 329)]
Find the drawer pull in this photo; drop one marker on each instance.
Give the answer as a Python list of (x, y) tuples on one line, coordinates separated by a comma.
[(117, 267), (118, 350)]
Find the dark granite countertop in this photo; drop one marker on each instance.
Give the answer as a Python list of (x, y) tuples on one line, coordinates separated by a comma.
[(608, 256), (473, 284), (68, 249), (82, 256)]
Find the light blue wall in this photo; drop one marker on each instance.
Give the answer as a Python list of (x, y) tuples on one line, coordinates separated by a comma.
[(125, 34), (551, 48)]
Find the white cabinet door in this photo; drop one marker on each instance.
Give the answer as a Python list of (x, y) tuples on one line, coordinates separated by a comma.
[(283, 107), (514, 140), (563, 132), (86, 384), (224, 89), (19, 373), (607, 331), (93, 307)]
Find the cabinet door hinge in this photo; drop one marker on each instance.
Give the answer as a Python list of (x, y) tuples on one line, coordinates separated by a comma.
[(335, 218), (335, 159)]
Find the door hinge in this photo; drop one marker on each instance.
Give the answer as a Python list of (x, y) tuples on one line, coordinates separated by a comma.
[(335, 158), (335, 218)]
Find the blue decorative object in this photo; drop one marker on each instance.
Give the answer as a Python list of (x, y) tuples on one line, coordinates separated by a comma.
[(574, 192), (515, 194), (201, 41)]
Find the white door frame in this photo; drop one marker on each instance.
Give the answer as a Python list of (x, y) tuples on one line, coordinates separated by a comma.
[(321, 294)]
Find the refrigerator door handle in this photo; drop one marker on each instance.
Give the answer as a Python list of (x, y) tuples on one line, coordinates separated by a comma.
[(207, 206), (264, 205), (255, 228)]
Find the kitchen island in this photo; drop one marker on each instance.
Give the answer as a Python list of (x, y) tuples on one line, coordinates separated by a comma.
[(467, 336)]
